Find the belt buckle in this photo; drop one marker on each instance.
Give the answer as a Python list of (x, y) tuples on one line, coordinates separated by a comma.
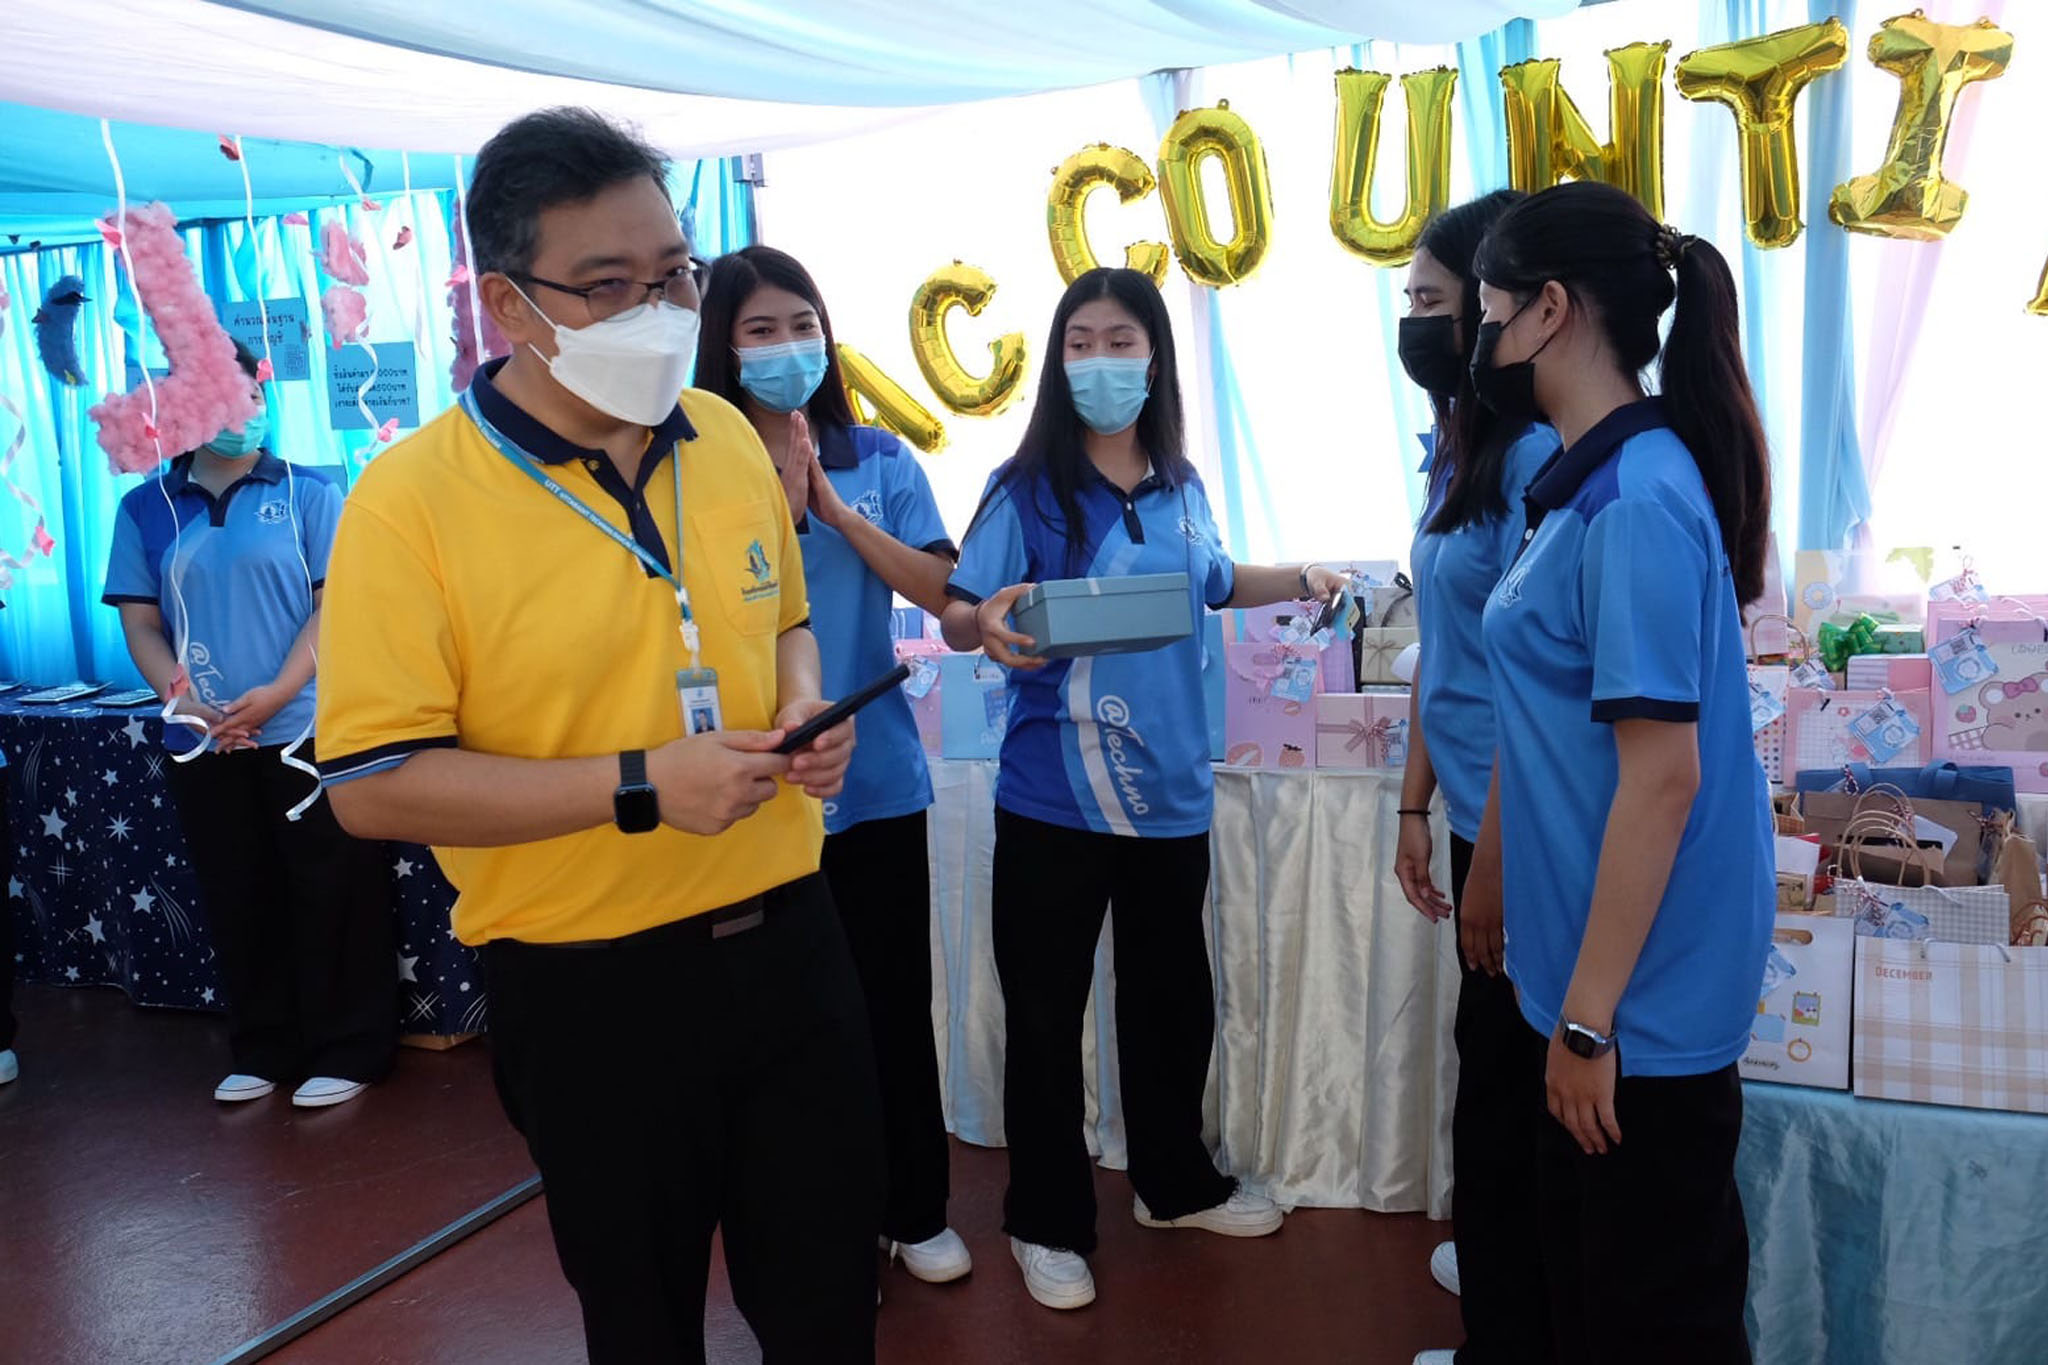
[(739, 924)]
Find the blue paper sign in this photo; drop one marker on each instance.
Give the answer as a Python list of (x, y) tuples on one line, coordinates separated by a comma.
[(394, 393), (290, 333)]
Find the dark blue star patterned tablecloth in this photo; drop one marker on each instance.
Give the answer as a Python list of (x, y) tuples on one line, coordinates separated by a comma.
[(103, 894)]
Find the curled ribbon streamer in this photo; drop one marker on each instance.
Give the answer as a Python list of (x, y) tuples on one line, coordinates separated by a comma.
[(290, 756), (183, 641)]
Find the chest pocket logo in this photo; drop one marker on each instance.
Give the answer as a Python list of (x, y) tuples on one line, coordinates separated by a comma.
[(868, 506), (272, 513), (1510, 590), (734, 541)]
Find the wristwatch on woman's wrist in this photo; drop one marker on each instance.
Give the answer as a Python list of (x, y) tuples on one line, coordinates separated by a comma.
[(1581, 1041)]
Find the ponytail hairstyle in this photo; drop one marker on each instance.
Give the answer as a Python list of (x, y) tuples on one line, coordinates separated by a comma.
[(1617, 264), (1470, 447)]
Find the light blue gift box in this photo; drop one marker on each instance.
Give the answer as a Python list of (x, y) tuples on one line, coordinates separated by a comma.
[(1075, 616)]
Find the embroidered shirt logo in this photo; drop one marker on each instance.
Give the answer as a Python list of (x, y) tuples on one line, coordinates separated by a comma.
[(1510, 590), (868, 506), (763, 573), (1191, 531), (272, 513)]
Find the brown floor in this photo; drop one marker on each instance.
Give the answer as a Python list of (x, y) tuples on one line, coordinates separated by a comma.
[(127, 1236)]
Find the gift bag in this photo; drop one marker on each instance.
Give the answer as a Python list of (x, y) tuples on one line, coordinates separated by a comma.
[(1880, 835), (1990, 663), (974, 706), (1769, 685), (1951, 1023), (1831, 583), (2018, 870), (922, 689), (1800, 1035), (1832, 730), (1377, 647), (1394, 604), (1356, 730), (1269, 706), (1926, 914)]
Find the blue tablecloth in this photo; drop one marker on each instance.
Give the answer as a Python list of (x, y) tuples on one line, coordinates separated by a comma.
[(1883, 1232), (102, 892)]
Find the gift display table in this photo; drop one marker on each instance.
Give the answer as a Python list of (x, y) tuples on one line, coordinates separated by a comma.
[(102, 892)]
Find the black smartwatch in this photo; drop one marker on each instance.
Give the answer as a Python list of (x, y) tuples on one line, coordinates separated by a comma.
[(1581, 1041), (636, 806)]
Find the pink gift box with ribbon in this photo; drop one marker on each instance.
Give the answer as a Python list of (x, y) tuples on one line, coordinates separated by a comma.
[(1362, 730)]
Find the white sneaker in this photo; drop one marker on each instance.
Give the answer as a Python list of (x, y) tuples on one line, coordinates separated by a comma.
[(1437, 1358), (10, 1065), (322, 1091), (1244, 1214), (1057, 1279), (238, 1088), (938, 1260), (1443, 1265)]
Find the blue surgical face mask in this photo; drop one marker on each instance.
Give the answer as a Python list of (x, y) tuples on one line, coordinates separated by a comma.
[(1110, 390), (236, 445), (782, 378)]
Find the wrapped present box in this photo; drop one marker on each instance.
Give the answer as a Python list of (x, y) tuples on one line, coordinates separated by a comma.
[(1362, 730), (1894, 672), (1377, 649)]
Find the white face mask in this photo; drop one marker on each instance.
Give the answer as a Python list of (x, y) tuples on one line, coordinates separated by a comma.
[(631, 366)]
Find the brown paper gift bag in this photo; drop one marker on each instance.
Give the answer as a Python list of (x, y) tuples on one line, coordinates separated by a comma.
[(1897, 858), (2019, 872)]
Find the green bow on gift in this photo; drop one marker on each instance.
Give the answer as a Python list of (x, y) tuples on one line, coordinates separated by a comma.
[(1838, 643)]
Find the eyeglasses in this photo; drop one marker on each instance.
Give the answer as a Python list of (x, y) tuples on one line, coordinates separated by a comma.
[(683, 287)]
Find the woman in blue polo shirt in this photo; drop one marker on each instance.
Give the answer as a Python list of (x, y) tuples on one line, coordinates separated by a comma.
[(1471, 524), (869, 530), (228, 550), (1631, 816), (1103, 799)]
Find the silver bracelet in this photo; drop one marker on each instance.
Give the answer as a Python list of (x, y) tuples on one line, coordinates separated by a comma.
[(1305, 590)]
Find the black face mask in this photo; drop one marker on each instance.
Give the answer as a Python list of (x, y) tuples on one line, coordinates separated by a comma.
[(1429, 352), (1510, 390)]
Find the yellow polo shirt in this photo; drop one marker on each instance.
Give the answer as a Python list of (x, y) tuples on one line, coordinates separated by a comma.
[(467, 607)]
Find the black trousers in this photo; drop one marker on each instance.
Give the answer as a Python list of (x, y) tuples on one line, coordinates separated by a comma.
[(1645, 1250), (1504, 1300), (6, 924), (676, 1081), (1052, 886), (880, 875), (300, 915)]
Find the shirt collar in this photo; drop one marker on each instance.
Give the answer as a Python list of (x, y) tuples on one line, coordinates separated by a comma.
[(267, 469), (1561, 478), (836, 449), (1152, 481), (539, 440)]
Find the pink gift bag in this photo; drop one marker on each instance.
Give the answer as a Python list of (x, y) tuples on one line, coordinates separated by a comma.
[(1269, 717), (1994, 655), (1362, 730), (1822, 730)]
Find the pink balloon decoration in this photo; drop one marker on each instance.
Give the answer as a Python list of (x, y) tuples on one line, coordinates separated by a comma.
[(347, 314), (207, 392), (342, 254)]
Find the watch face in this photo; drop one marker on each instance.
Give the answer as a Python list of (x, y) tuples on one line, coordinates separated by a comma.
[(636, 810)]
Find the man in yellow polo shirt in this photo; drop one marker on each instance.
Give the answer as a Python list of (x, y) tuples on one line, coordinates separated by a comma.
[(533, 607)]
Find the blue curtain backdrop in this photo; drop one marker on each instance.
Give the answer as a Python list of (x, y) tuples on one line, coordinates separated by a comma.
[(54, 629)]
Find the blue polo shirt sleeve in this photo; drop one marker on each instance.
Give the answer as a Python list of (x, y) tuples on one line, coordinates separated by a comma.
[(994, 556), (319, 515), (1219, 574), (1642, 578), (132, 572), (913, 511)]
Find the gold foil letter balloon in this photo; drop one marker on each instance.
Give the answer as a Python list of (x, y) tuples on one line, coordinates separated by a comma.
[(969, 287), (1360, 95), (1195, 136), (1066, 221), (1907, 196), (1760, 80), (1550, 140), (894, 409)]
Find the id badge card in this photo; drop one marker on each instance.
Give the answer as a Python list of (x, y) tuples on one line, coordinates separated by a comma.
[(697, 693)]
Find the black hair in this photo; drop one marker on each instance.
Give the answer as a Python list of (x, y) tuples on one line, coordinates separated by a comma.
[(734, 278), (1054, 448), (1617, 261), (246, 358), (534, 163), (1470, 444)]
